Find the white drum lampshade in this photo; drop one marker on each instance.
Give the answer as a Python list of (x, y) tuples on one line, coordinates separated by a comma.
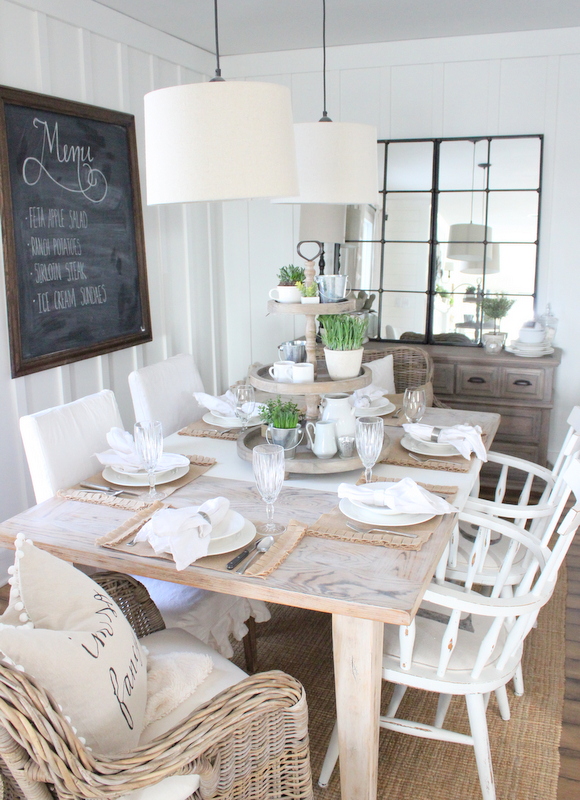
[(219, 141), (337, 163), (466, 241), (476, 267), (322, 223)]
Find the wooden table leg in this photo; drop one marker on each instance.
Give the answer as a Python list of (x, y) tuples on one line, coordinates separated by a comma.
[(357, 646)]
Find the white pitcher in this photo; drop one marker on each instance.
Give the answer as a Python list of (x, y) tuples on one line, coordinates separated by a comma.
[(324, 444), (336, 406)]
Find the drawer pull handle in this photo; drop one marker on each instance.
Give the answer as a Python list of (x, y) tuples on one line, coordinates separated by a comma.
[(522, 382), (476, 380)]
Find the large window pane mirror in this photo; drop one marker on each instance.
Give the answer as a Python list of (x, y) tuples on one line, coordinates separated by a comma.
[(456, 222)]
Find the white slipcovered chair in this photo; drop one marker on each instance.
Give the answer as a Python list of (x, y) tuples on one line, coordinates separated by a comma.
[(60, 445), (464, 643), (164, 392)]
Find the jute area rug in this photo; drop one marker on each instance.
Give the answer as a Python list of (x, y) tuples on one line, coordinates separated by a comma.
[(524, 750)]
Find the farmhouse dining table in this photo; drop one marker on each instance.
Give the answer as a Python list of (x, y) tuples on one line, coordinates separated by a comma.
[(361, 585)]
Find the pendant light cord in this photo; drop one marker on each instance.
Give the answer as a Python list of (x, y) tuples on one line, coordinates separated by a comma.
[(218, 72), (325, 117)]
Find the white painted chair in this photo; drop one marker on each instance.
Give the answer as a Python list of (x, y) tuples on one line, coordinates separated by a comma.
[(164, 392), (464, 643), (60, 444)]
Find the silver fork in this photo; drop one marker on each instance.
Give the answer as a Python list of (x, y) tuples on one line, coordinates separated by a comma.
[(380, 530)]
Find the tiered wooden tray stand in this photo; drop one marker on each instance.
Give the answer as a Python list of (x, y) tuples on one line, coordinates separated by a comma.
[(260, 378)]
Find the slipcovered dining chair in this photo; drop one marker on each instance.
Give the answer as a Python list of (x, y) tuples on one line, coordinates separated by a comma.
[(231, 737), (60, 445), (464, 643), (164, 392)]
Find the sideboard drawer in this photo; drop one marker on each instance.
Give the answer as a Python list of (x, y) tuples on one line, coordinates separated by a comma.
[(519, 425), (444, 379), (518, 383), (477, 381)]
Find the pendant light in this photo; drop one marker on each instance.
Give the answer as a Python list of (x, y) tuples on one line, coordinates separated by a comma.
[(218, 140), (337, 161), (467, 240)]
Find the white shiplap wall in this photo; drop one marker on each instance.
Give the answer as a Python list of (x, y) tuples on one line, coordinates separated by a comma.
[(511, 83), (83, 51)]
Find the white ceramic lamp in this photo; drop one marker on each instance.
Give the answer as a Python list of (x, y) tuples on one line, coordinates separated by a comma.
[(219, 141)]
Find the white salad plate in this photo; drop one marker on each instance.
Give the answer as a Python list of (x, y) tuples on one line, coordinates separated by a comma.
[(378, 408), (230, 525), (227, 544), (124, 479), (428, 448), (175, 460), (228, 422), (369, 516), (530, 353)]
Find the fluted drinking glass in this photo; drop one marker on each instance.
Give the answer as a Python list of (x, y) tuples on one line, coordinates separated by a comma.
[(369, 437), (268, 463), (149, 446), (414, 404)]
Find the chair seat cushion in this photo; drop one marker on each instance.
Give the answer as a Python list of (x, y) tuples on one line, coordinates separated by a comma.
[(223, 675), (69, 634), (211, 616), (430, 622)]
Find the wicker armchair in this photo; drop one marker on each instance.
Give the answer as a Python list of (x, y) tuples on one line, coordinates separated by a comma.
[(248, 742)]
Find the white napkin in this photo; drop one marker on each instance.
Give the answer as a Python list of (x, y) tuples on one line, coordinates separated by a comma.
[(182, 531), (123, 454), (363, 398), (465, 438), (404, 496), (225, 404)]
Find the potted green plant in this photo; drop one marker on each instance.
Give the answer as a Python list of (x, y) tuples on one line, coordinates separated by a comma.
[(309, 293), (287, 290), (343, 336), (495, 307), (283, 421)]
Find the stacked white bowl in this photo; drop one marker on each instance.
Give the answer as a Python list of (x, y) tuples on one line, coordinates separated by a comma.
[(531, 341)]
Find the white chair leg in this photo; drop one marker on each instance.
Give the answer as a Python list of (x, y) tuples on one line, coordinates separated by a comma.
[(485, 700), (503, 703), (442, 707), (398, 694), (330, 759), (518, 682), (478, 724)]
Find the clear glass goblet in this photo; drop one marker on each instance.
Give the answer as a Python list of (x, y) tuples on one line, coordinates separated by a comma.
[(149, 446), (245, 403), (268, 464), (414, 404), (369, 436)]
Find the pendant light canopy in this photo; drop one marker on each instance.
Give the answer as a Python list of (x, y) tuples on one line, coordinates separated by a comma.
[(337, 161), (219, 141)]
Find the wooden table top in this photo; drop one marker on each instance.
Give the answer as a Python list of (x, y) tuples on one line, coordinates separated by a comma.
[(358, 580)]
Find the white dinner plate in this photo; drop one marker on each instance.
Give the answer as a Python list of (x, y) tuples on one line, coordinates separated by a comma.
[(528, 354), (369, 517), (381, 511), (176, 459), (123, 479), (530, 345), (230, 525), (428, 448), (228, 544), (228, 422), (377, 408)]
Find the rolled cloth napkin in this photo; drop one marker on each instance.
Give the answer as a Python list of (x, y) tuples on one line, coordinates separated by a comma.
[(362, 398), (123, 454), (225, 404), (465, 438), (404, 496), (184, 532)]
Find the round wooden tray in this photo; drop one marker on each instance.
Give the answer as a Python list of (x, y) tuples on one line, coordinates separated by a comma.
[(305, 460), (260, 378), (311, 309)]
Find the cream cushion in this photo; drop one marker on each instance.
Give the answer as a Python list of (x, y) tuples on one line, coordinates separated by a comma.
[(383, 376), (67, 632), (164, 392)]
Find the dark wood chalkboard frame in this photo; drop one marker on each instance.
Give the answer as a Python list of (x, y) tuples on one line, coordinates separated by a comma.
[(15, 258)]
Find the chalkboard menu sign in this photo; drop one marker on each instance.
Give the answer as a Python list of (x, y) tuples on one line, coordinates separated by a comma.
[(72, 231)]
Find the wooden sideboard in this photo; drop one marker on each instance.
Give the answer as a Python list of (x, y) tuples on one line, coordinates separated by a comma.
[(520, 389)]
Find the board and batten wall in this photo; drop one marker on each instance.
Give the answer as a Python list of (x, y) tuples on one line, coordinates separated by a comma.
[(511, 83), (83, 51)]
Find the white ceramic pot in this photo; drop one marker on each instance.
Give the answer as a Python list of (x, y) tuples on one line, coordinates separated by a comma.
[(310, 299), (286, 294), (342, 364)]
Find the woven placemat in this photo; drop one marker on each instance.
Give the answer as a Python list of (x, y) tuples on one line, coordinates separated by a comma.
[(398, 456), (206, 431), (199, 465)]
